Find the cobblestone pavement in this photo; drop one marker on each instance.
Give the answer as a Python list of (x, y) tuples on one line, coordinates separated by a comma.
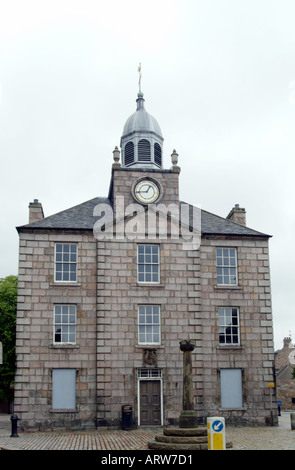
[(243, 438), (263, 438)]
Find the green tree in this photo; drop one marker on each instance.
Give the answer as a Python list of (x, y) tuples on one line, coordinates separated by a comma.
[(8, 303)]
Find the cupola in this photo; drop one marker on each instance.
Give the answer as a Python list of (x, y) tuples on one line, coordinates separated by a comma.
[(142, 141)]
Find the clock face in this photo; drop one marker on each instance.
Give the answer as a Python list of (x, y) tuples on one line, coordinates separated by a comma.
[(146, 191)]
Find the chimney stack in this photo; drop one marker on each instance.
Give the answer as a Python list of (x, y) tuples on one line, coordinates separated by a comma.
[(237, 215), (287, 342), (35, 211)]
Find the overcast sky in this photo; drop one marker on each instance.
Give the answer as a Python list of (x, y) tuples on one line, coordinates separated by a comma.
[(218, 75)]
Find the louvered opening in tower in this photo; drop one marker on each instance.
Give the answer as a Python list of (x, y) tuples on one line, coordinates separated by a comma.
[(144, 151), (129, 153), (158, 154)]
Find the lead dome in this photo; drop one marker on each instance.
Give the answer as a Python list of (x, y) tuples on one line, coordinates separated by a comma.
[(142, 140)]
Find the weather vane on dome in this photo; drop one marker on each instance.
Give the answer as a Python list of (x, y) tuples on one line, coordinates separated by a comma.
[(139, 81)]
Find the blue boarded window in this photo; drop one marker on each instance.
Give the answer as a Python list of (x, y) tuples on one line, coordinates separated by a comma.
[(64, 389), (231, 388)]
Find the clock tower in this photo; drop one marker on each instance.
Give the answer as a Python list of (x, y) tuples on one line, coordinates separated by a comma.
[(140, 177)]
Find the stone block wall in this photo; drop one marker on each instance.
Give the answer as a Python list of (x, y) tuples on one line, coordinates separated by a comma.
[(255, 354), (119, 295), (285, 388), (124, 178), (37, 355), (107, 355), (284, 369), (282, 356)]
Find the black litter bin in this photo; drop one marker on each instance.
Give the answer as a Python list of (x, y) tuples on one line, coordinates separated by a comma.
[(127, 417)]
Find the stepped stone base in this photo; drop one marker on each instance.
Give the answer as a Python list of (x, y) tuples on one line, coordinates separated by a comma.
[(180, 439), (170, 446), (200, 431)]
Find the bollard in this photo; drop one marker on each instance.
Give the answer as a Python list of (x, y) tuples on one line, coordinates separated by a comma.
[(292, 416), (216, 433), (14, 420)]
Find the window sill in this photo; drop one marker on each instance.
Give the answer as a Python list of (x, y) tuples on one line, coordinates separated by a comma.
[(64, 346), (239, 408), (227, 286), (65, 284), (149, 346), (230, 346), (74, 410), (148, 284)]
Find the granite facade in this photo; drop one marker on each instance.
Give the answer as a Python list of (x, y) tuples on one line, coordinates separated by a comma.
[(37, 355), (109, 360)]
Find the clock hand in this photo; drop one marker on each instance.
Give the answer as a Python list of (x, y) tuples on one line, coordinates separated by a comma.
[(141, 191)]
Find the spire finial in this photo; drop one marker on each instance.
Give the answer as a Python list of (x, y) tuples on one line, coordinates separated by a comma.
[(139, 80)]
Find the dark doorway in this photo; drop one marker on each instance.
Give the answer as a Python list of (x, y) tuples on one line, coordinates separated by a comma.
[(150, 402)]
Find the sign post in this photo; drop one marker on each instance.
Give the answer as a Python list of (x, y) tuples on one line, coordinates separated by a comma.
[(279, 403), (271, 385), (216, 433)]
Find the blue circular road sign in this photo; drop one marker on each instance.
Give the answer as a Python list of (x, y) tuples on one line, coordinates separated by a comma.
[(217, 425)]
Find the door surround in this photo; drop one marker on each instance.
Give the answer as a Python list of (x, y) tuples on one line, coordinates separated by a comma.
[(152, 375)]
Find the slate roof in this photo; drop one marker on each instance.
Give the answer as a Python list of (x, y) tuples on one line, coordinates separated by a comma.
[(216, 225), (81, 217)]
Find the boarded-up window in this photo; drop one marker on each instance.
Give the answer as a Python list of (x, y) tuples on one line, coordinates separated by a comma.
[(64, 389), (231, 388)]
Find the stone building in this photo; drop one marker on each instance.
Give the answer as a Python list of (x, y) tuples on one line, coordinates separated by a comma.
[(108, 289), (285, 384)]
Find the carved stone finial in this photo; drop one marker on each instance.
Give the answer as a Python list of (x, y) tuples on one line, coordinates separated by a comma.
[(116, 155), (174, 157), (187, 345)]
